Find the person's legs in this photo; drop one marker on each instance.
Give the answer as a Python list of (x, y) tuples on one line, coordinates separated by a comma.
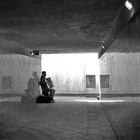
[(45, 92), (52, 93), (49, 93)]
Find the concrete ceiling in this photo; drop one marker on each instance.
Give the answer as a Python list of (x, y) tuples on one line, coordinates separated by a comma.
[(56, 26)]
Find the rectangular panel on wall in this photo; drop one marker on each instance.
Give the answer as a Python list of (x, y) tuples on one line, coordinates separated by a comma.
[(104, 79), (90, 81), (6, 82)]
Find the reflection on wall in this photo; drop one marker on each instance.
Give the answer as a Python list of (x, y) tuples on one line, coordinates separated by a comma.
[(15, 72), (33, 86), (69, 71)]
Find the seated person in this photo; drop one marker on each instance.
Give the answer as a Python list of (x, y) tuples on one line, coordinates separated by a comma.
[(47, 86)]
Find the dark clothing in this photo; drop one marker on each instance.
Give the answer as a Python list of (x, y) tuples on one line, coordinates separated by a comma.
[(46, 89), (43, 82), (44, 99)]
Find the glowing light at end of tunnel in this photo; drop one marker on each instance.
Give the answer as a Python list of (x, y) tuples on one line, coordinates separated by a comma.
[(70, 64), (128, 5)]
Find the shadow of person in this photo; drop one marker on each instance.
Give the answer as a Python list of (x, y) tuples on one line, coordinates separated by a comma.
[(32, 91)]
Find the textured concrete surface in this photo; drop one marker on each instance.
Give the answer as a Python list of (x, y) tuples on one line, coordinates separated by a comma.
[(70, 118), (123, 69), (17, 73), (123, 66), (53, 26)]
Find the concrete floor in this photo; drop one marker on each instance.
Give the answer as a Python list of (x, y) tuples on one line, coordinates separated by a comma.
[(71, 118)]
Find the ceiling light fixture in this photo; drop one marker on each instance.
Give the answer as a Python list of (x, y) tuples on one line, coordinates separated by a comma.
[(103, 46), (34, 52), (128, 5), (31, 53)]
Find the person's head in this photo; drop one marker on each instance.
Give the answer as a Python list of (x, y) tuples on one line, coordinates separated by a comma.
[(34, 74), (44, 73)]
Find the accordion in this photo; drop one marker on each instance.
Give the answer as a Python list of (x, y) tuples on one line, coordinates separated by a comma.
[(49, 82)]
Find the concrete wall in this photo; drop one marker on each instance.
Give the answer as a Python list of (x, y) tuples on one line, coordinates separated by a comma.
[(124, 71), (16, 71), (122, 60), (69, 71)]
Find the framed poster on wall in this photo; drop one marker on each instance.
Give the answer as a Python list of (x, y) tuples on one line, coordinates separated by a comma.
[(90, 81), (104, 81)]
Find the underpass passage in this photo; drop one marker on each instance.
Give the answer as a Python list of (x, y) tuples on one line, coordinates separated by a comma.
[(70, 118)]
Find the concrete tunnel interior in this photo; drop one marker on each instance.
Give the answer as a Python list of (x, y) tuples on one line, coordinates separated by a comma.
[(89, 48)]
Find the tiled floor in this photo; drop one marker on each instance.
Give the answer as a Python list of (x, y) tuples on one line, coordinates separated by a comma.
[(71, 118)]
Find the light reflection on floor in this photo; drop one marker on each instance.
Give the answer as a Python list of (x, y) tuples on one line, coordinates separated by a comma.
[(98, 101), (70, 118), (3, 100)]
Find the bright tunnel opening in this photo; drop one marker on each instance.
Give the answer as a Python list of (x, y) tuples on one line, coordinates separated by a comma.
[(69, 70), (70, 63)]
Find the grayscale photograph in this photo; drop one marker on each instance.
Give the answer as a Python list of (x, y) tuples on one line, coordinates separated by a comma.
[(69, 69)]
